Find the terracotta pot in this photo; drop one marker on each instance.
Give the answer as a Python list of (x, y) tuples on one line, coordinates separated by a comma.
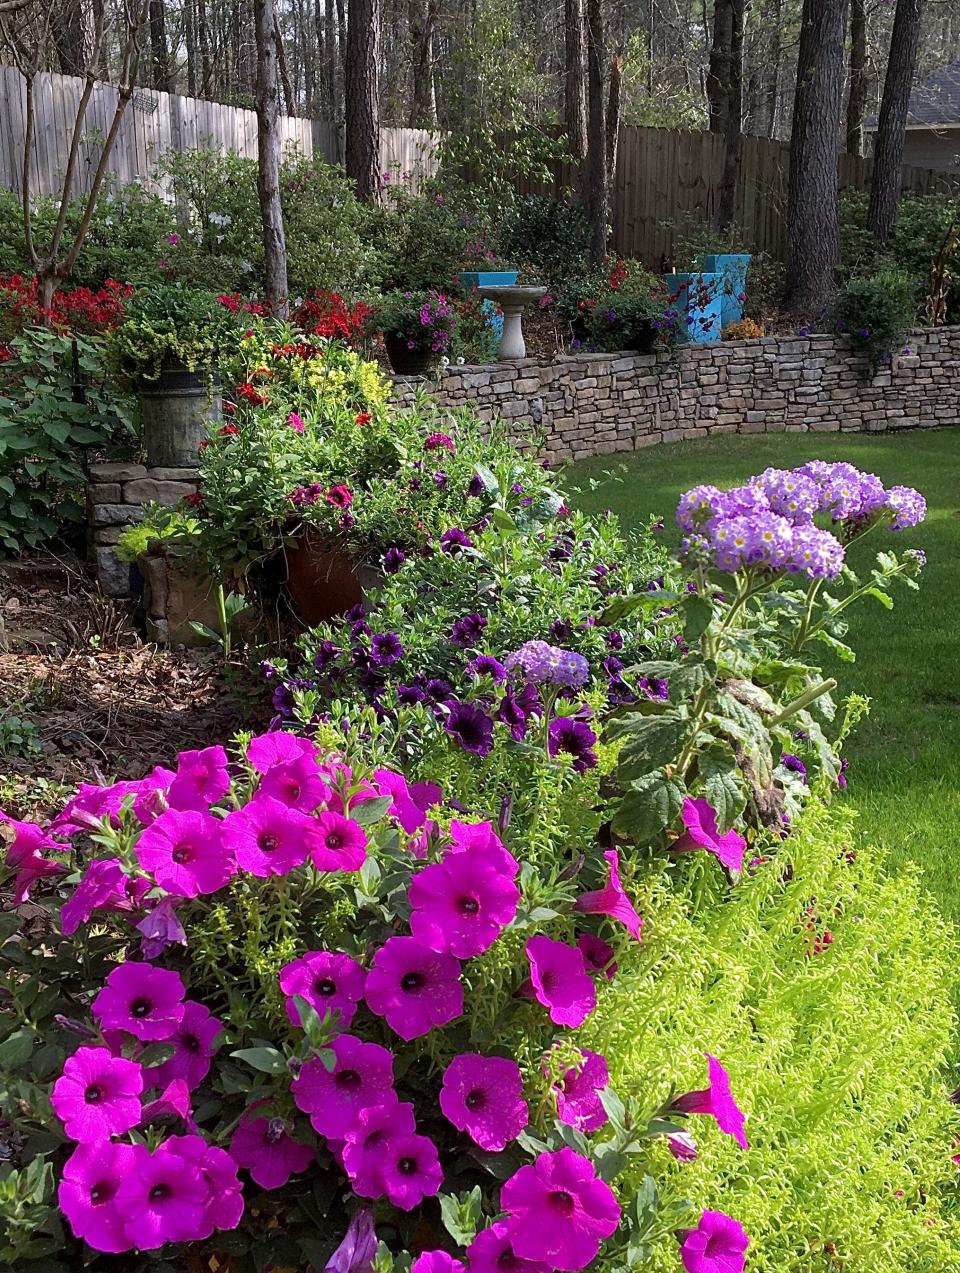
[(404, 361), (322, 580)]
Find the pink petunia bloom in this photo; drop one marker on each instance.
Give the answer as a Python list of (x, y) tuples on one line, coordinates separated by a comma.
[(410, 802), (141, 999), (597, 955), (104, 886), (160, 928), (266, 1149), (277, 747), (295, 422), (367, 1139), (184, 852), (560, 981), (223, 1208), (97, 1095), (700, 819), (411, 1171), (329, 982), (173, 1101), (482, 837), (491, 1252), (718, 1101), (717, 1245), (578, 1093), (559, 1210), (340, 843), (193, 1048), (89, 1184), (462, 904), (682, 1146), (201, 779), (612, 900), (25, 856), (356, 1252), (483, 1096), (163, 1199), (416, 989), (86, 810), (362, 1075), (437, 1262), (298, 784), (152, 791), (268, 838)]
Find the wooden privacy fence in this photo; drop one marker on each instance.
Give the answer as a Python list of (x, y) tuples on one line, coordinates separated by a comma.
[(667, 181)]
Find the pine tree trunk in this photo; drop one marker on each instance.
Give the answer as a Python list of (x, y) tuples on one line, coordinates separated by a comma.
[(268, 155), (597, 188), (67, 27), (158, 47), (203, 39), (718, 76), (574, 97), (733, 118), (340, 83), (857, 96), (813, 221), (362, 103), (891, 126), (422, 20)]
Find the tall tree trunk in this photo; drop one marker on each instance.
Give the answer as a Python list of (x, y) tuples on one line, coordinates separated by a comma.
[(733, 119), (891, 126), (203, 39), (574, 96), (362, 157), (282, 66), (422, 19), (329, 58), (190, 40), (857, 96), (813, 220), (775, 92), (340, 84), (597, 188), (721, 52), (268, 155), (160, 54), (310, 61)]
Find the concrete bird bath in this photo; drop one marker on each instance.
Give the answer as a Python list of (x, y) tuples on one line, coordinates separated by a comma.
[(513, 300)]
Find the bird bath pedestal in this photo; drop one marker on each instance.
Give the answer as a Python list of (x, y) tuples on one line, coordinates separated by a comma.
[(512, 300)]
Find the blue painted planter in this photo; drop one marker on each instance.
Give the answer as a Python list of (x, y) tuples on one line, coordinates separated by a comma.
[(699, 299), (733, 267), (470, 279)]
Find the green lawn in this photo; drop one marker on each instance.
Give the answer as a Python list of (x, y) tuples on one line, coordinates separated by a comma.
[(905, 758)]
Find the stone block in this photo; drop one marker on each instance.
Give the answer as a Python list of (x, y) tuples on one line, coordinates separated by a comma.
[(116, 472), (116, 514), (145, 490), (105, 493), (113, 575), (174, 475), (108, 534)]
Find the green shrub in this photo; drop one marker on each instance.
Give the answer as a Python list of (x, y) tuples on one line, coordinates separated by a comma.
[(424, 239), (171, 324), (548, 238), (875, 314)]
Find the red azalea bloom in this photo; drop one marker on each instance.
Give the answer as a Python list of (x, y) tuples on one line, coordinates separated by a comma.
[(228, 431)]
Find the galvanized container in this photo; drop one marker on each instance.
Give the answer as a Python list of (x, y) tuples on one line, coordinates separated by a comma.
[(175, 411)]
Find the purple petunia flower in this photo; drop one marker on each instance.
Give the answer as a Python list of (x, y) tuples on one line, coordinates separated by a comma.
[(573, 738), (437, 689), (371, 1132), (161, 928), (104, 886), (201, 779), (411, 1171), (356, 1252), (475, 488), (393, 559), (559, 980), (414, 988), (578, 1093), (466, 632), (794, 764), (462, 904), (185, 853), (491, 1252), (437, 1262), (612, 900), (25, 856), (266, 837), (362, 1076), (716, 1100), (717, 1245), (682, 1146), (700, 820), (329, 982), (470, 726), (142, 1000), (193, 1048), (410, 695), (224, 1205), (97, 1095), (487, 665), (480, 838), (89, 1184), (266, 1149), (483, 1096), (597, 955), (163, 1198), (385, 648), (338, 844), (559, 1210)]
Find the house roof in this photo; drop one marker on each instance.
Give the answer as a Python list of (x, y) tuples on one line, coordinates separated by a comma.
[(935, 102)]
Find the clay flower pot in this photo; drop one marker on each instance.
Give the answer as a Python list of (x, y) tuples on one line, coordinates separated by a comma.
[(322, 579)]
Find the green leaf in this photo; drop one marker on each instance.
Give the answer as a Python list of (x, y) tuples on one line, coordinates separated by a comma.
[(609, 1161), (651, 741), (156, 1054), (16, 1049), (722, 786), (366, 812), (266, 1060), (697, 615), (650, 806), (614, 1108), (503, 521)]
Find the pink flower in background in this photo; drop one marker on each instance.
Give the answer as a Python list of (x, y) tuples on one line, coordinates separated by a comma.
[(97, 1095), (682, 1146), (560, 981), (362, 1076), (718, 1101), (104, 886), (559, 1210), (437, 1262), (141, 999), (612, 900), (295, 422), (483, 1096), (173, 239), (482, 837), (700, 820), (411, 1171), (184, 852), (151, 798), (329, 982), (271, 1155), (578, 1093), (416, 989), (367, 1139), (410, 801), (85, 810), (25, 855), (89, 1184), (717, 1245), (193, 1049), (338, 843), (201, 779), (461, 904), (491, 1252), (160, 928)]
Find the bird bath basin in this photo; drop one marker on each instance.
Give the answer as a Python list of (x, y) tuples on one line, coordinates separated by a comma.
[(513, 300)]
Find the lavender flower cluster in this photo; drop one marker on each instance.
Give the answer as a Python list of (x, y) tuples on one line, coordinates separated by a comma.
[(769, 521), (546, 664)]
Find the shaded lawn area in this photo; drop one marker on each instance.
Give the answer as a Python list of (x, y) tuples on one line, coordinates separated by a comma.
[(905, 757)]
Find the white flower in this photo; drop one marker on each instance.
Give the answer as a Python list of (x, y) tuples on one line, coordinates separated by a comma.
[(246, 267)]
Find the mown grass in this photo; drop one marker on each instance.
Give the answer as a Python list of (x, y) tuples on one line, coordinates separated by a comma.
[(905, 757)]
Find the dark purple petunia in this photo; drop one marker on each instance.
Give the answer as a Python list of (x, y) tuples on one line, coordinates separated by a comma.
[(794, 764), (409, 695), (574, 738), (487, 665), (393, 559), (385, 648), (613, 639), (469, 726), (438, 690), (476, 487), (466, 632), (326, 654), (440, 480), (561, 630), (453, 540)]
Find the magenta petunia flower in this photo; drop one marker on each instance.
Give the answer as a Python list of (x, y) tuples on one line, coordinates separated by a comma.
[(578, 1093), (559, 1210), (85, 810), (362, 1075), (612, 900), (367, 1142), (338, 844), (89, 1184), (329, 982), (224, 1205), (277, 747), (163, 1199), (717, 1245), (560, 981), (410, 802), (462, 904), (298, 784), (481, 837), (411, 1171), (97, 1095), (25, 856), (700, 819), (141, 999), (152, 792), (266, 1149), (718, 1101), (268, 838), (356, 1252), (597, 955), (491, 1252), (416, 989), (104, 886), (184, 852), (682, 1146), (160, 928), (437, 1262), (193, 1048), (201, 779), (483, 1096)]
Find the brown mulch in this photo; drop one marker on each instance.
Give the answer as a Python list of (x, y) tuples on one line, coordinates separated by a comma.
[(102, 703)]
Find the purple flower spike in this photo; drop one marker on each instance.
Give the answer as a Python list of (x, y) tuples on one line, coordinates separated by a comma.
[(718, 1101), (700, 819)]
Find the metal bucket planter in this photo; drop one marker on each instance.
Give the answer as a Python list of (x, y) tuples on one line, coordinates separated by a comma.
[(174, 413)]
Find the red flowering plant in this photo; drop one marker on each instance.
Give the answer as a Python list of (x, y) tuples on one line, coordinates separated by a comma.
[(80, 311), (328, 315)]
